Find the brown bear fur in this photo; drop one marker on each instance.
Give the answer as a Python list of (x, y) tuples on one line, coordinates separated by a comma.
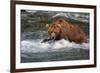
[(62, 29)]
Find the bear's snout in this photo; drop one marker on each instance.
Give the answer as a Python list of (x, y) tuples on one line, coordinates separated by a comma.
[(53, 35)]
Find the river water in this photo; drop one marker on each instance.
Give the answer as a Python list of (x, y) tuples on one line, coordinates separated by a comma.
[(34, 50)]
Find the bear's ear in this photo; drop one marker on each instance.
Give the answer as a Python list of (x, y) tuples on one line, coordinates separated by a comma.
[(59, 25), (47, 25)]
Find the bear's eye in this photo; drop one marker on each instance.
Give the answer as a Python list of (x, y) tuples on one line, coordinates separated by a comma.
[(49, 32)]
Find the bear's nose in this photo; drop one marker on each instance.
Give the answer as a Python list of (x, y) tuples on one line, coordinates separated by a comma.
[(53, 35)]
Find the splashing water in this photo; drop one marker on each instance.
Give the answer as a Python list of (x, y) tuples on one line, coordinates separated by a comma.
[(34, 46), (34, 50)]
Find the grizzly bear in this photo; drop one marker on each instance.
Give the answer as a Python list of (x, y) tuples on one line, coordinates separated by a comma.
[(61, 29)]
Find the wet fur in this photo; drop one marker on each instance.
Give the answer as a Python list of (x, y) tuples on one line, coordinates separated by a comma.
[(67, 31)]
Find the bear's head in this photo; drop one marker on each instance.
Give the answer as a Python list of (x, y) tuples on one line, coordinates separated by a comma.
[(54, 30)]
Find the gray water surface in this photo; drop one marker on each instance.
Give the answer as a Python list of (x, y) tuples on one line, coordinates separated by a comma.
[(32, 50)]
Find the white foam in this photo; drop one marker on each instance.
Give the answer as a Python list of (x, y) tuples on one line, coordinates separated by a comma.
[(61, 45)]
